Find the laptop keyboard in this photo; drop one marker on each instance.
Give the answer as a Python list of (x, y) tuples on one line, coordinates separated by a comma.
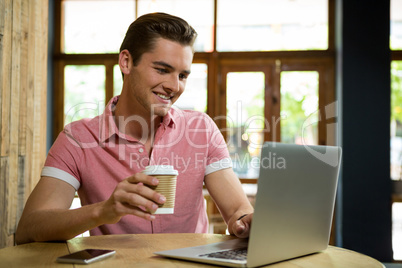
[(232, 254)]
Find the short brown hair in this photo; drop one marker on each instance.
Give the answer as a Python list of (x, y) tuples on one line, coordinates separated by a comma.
[(143, 32)]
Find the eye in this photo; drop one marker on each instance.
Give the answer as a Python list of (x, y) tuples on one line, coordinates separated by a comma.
[(183, 76), (162, 70)]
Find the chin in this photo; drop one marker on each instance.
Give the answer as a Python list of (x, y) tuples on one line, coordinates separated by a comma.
[(161, 111)]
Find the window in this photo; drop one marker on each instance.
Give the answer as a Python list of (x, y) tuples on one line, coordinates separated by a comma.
[(396, 153), (278, 101), (194, 96), (396, 25), (245, 120), (199, 13), (262, 25), (96, 26), (299, 107), (117, 80), (84, 91), (396, 120)]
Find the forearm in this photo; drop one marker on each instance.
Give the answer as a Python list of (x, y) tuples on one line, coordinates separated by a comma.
[(46, 216), (232, 202), (57, 224)]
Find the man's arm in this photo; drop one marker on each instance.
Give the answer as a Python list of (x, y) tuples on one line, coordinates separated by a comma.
[(226, 191), (47, 215)]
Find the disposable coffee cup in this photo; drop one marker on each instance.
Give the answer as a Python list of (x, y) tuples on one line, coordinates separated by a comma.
[(167, 177)]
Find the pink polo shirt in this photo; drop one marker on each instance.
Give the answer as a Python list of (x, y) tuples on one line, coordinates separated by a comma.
[(93, 156)]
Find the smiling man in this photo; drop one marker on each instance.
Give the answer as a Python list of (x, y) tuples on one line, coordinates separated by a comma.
[(102, 158)]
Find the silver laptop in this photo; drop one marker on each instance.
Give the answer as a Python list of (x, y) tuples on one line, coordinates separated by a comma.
[(293, 210)]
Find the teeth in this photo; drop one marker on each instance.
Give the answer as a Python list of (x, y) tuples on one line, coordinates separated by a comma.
[(163, 96)]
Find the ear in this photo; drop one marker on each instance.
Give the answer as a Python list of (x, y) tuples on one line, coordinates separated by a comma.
[(125, 61)]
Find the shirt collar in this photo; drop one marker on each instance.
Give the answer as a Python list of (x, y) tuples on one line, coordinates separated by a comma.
[(169, 118), (108, 125)]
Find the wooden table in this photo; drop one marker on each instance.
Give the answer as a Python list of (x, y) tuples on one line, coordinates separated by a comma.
[(137, 250)]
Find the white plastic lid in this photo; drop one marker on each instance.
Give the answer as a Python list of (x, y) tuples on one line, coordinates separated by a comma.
[(160, 170)]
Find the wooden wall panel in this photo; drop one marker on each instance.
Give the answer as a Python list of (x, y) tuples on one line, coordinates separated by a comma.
[(23, 77)]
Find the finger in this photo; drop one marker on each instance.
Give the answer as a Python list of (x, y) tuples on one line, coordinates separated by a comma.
[(140, 177), (239, 229), (242, 227), (139, 195), (142, 190), (136, 211), (148, 193)]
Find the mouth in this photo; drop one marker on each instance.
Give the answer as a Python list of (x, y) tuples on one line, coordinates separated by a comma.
[(162, 96)]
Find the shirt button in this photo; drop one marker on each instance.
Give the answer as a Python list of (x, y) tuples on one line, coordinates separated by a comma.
[(141, 150)]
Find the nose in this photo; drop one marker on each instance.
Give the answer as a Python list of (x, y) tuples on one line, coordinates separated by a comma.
[(172, 84)]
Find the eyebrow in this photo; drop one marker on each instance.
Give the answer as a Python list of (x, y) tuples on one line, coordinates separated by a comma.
[(167, 65)]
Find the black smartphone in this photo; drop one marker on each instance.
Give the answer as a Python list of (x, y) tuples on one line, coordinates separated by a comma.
[(86, 256)]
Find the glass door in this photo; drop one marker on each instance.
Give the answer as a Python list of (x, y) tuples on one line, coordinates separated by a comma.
[(277, 101), (299, 107), (245, 120), (243, 117)]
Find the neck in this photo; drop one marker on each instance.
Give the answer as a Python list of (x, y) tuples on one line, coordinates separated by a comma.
[(141, 126)]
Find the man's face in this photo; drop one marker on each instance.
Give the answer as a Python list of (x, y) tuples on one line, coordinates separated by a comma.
[(160, 77)]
